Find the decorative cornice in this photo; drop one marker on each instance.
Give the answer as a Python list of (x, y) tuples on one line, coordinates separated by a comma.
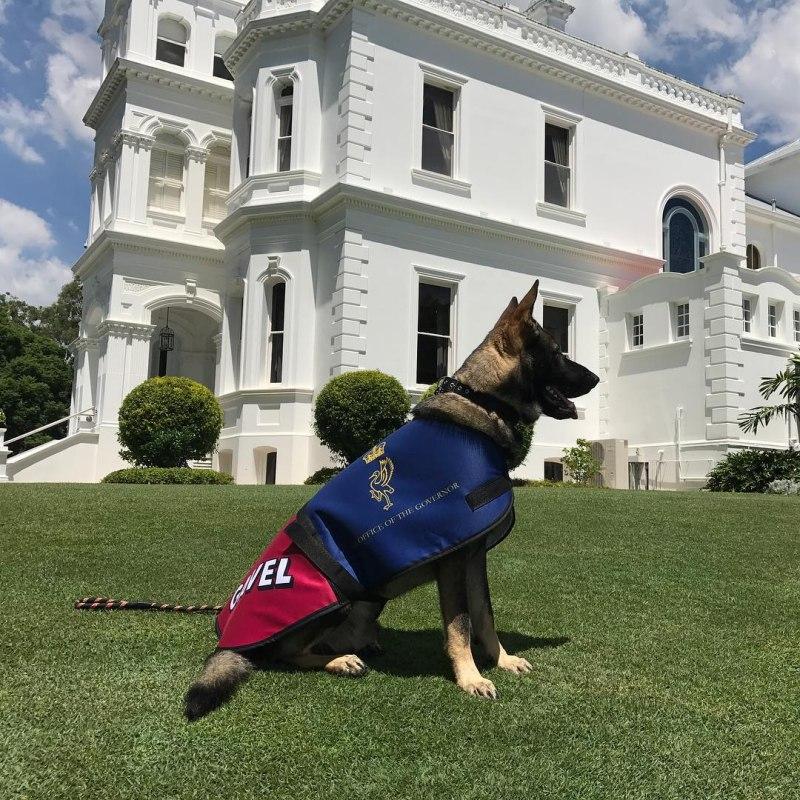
[(507, 33), (122, 327), (199, 154), (347, 196), (124, 69), (138, 243), (82, 344), (133, 139)]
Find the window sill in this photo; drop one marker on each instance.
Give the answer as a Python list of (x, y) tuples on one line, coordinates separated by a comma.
[(770, 345), (561, 214), (680, 344), (442, 183), (165, 216)]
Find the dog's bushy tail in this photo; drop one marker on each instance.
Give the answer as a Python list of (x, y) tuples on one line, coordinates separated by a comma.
[(223, 673)]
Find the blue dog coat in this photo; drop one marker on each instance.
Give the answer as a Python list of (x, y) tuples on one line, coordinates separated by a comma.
[(426, 491)]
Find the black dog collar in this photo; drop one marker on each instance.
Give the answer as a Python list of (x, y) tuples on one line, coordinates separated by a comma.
[(487, 402)]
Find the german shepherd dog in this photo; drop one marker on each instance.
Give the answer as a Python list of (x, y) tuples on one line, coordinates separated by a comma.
[(520, 367)]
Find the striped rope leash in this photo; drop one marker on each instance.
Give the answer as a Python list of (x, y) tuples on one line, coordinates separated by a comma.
[(109, 604)]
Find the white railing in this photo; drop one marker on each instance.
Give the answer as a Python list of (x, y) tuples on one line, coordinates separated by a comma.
[(89, 414)]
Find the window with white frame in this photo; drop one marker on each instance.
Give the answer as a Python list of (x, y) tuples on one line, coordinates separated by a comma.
[(221, 44), (637, 330), (166, 175), (217, 184), (171, 41), (277, 330), (747, 314), (753, 257), (557, 321), (796, 319), (438, 128), (434, 334), (682, 321), (772, 319), (284, 104), (685, 233), (557, 167)]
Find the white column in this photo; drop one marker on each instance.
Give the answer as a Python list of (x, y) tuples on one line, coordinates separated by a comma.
[(93, 212), (231, 338), (141, 179), (139, 344), (201, 46), (127, 146), (195, 183)]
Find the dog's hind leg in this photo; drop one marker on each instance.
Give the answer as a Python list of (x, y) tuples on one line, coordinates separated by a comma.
[(482, 617), (350, 665), (452, 581)]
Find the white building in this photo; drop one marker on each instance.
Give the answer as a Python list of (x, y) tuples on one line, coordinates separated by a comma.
[(397, 170)]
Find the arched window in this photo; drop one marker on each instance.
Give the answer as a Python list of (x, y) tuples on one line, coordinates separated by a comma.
[(217, 184), (685, 236), (285, 106), (753, 257), (276, 295), (220, 46), (171, 41), (166, 174)]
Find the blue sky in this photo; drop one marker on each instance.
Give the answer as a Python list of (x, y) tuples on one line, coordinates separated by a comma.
[(50, 68)]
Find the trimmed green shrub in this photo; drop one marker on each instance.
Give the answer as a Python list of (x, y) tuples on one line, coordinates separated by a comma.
[(580, 463), (164, 422), (171, 475), (753, 470), (524, 434), (357, 410), (322, 476)]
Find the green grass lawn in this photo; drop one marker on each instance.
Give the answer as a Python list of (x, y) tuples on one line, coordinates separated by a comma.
[(663, 630)]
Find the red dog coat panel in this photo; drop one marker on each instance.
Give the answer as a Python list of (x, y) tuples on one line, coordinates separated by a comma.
[(282, 590)]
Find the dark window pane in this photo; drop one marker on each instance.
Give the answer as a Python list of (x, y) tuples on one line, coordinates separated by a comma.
[(276, 359), (556, 322), (285, 120), (681, 244), (556, 185), (556, 145), (431, 358), (278, 305), (284, 154), (287, 90), (437, 108), (220, 70), (437, 151), (434, 309), (170, 52)]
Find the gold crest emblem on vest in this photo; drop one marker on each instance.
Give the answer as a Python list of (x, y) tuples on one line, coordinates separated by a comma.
[(379, 483)]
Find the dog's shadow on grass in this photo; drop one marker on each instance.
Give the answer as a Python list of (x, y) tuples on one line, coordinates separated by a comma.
[(411, 654)]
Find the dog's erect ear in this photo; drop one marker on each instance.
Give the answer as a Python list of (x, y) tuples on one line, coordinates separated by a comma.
[(527, 302), (508, 313)]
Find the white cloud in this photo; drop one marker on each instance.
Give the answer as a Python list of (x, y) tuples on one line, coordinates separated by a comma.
[(611, 23), (767, 75), (4, 5), (72, 74), (28, 269), (715, 19)]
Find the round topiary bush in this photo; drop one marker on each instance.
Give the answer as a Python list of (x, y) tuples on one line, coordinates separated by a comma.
[(169, 475), (523, 434), (322, 476), (357, 410), (164, 422)]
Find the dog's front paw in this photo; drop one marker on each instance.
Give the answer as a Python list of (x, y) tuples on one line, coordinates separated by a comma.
[(515, 664), (351, 666), (479, 687)]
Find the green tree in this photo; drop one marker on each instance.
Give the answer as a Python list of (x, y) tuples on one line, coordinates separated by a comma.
[(786, 384), (580, 462), (35, 382)]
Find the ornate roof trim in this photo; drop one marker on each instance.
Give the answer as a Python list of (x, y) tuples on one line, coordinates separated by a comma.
[(507, 33), (125, 69)]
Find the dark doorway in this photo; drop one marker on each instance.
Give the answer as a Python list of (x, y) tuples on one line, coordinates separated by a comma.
[(272, 467)]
